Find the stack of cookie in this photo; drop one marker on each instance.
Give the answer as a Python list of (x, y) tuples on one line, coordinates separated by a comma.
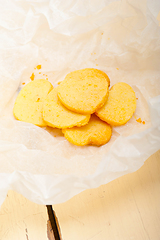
[(82, 106)]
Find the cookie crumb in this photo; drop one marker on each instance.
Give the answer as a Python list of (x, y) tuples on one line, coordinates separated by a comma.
[(38, 66), (139, 120), (32, 76)]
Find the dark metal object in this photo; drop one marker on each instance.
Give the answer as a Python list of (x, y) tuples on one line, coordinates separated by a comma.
[(54, 225)]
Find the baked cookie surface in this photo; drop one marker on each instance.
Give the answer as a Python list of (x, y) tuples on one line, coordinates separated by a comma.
[(56, 115), (84, 91), (120, 106), (101, 72), (96, 132), (28, 106)]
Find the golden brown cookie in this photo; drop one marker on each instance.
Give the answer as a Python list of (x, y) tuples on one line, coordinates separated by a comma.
[(84, 91), (101, 72), (28, 106), (56, 115), (96, 132), (120, 106)]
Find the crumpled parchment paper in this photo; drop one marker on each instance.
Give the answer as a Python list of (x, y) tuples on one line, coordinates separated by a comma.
[(121, 38)]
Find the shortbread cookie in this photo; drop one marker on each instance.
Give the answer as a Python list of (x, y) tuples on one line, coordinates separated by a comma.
[(96, 132), (101, 72), (120, 106), (83, 91), (28, 106), (56, 115)]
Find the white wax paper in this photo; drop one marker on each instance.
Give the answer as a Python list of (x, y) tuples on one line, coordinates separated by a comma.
[(121, 38)]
